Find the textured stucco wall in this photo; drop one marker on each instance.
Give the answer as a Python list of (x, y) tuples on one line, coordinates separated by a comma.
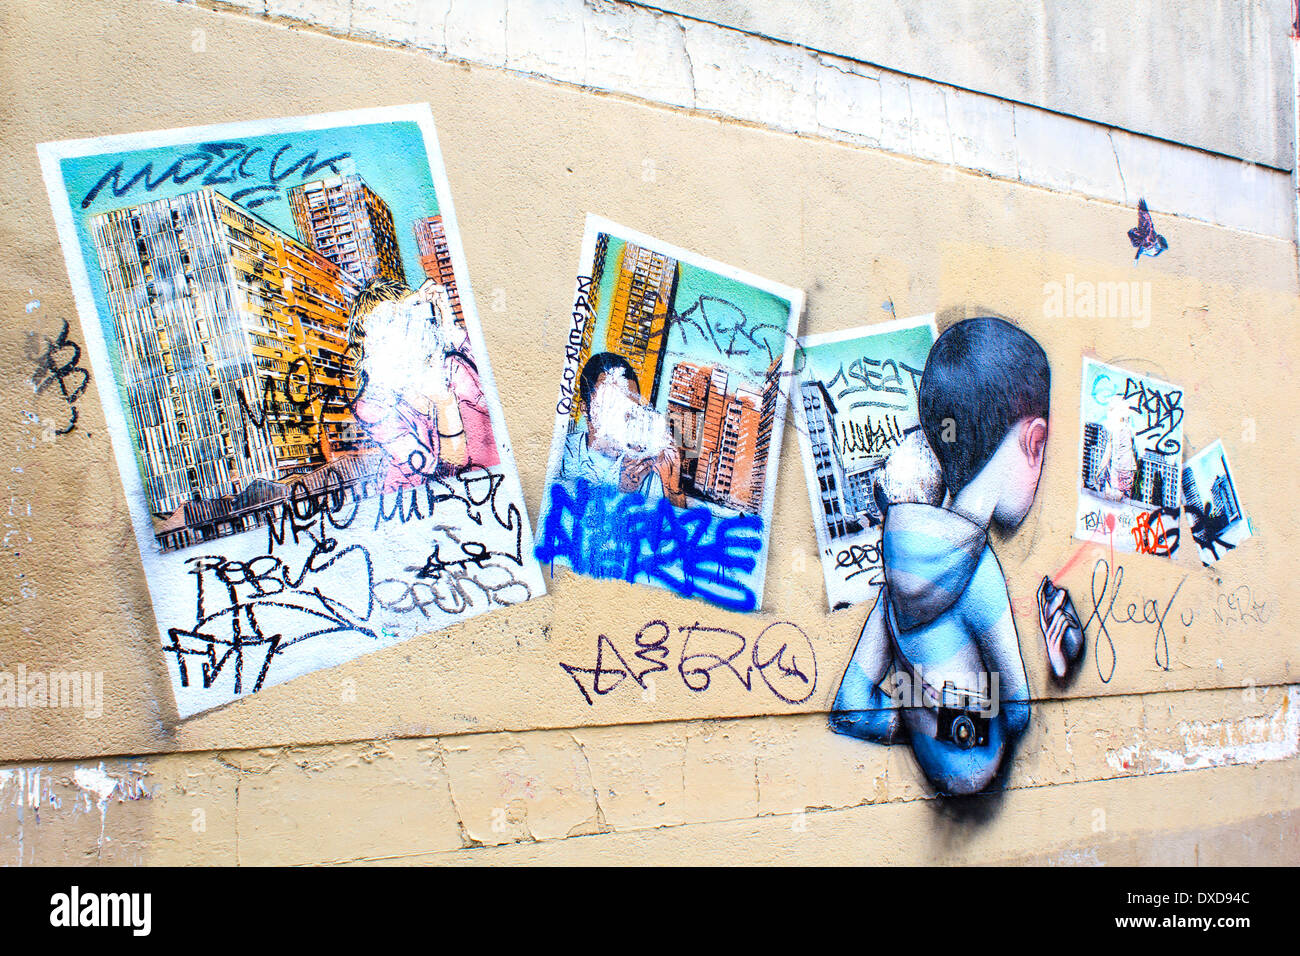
[(472, 744)]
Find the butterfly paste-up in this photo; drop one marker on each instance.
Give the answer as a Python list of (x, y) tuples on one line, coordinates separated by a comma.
[(1144, 236)]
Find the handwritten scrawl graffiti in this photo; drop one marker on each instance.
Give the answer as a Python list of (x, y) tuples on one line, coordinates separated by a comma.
[(669, 419), (856, 405), (58, 363), (938, 665), (302, 408), (781, 656)]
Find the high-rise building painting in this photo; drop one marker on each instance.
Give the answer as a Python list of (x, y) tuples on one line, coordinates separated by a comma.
[(820, 412), (772, 396), (1095, 437), (1128, 470), (289, 449), (232, 342), (345, 221), (1158, 479), (435, 259), (640, 301), (688, 393), (719, 430), (692, 419), (732, 474), (1191, 492), (1223, 497)]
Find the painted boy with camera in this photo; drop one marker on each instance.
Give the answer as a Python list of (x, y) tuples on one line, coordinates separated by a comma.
[(942, 625)]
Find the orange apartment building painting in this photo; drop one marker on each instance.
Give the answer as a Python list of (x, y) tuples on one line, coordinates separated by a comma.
[(231, 336), (719, 434), (435, 259), (638, 314)]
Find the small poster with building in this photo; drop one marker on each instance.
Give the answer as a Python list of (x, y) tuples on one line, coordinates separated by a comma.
[(1219, 523), (668, 421), (283, 337), (1130, 460), (856, 403)]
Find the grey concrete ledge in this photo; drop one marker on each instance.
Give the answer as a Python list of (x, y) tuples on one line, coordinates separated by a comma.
[(620, 47)]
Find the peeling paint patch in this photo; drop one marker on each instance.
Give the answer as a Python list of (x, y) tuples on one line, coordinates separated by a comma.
[(28, 787), (1221, 743), (1084, 857), (1248, 740), (96, 781)]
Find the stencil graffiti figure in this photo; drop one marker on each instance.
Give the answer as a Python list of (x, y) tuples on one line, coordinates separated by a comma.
[(938, 663), (625, 444), (426, 424)]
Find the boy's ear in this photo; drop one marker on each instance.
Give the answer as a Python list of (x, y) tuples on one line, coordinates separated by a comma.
[(1033, 440)]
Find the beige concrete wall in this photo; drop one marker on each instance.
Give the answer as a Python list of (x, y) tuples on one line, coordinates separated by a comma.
[(472, 743)]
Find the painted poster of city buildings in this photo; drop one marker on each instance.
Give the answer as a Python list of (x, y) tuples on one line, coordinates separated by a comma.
[(675, 385), (1130, 460), (230, 330), (855, 403), (1218, 521), (283, 338)]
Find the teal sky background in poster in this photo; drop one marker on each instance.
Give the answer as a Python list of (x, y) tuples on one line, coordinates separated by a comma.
[(1101, 384), (908, 347), (858, 377), (728, 303), (1205, 467), (389, 157)]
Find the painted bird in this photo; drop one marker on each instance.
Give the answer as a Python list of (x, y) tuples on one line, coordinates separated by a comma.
[(1144, 237)]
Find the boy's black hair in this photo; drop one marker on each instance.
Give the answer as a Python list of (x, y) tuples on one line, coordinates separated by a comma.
[(596, 366), (984, 375)]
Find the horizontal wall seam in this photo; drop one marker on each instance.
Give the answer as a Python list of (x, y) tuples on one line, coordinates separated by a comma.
[(721, 72)]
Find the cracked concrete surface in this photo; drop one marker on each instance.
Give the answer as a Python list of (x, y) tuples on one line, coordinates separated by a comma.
[(424, 799), (643, 52)]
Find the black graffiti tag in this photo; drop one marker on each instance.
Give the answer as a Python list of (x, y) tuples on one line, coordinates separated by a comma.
[(58, 365), (1163, 412), (258, 172)]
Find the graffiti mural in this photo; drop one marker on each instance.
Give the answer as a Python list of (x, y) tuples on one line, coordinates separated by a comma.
[(938, 664), (301, 406), (668, 425), (856, 405)]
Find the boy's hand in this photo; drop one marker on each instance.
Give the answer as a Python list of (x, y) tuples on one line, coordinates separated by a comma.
[(1053, 634), (633, 473), (1055, 619)]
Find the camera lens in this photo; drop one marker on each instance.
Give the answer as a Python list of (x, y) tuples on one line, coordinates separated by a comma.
[(963, 732)]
